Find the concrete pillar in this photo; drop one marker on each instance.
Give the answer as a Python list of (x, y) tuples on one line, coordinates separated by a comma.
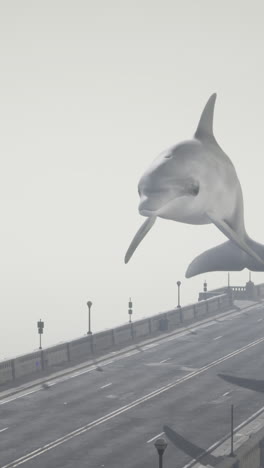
[(93, 344), (13, 369), (261, 446), (68, 352), (251, 291), (113, 337), (132, 331), (42, 360)]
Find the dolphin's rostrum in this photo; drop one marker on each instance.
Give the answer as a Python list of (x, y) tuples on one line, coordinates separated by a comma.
[(195, 182)]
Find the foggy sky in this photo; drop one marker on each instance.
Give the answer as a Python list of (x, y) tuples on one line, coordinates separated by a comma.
[(90, 93)]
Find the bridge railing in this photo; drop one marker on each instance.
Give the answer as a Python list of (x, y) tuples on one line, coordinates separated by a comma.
[(90, 346)]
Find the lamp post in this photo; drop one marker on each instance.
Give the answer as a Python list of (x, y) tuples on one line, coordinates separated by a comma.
[(232, 432), (40, 326), (89, 304), (179, 285), (160, 445), (130, 310)]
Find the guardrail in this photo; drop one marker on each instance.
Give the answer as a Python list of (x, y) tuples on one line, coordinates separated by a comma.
[(89, 346), (249, 455)]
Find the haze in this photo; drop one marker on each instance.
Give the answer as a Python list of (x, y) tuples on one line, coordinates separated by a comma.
[(90, 93)]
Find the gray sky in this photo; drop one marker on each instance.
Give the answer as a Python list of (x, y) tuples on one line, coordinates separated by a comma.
[(90, 93)]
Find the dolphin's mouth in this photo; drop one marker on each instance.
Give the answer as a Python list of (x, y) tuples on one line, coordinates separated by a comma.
[(190, 188)]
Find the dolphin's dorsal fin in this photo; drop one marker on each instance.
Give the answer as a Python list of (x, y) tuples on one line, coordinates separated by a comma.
[(205, 127)]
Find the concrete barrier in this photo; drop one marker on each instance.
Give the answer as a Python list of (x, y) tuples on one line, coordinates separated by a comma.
[(187, 313), (103, 340), (87, 346), (154, 322), (28, 364), (175, 318), (81, 348), (55, 356), (200, 309), (249, 455), (260, 290), (212, 305), (123, 334), (141, 328), (6, 371)]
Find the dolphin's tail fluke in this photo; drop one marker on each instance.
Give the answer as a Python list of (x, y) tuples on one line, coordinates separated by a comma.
[(226, 257)]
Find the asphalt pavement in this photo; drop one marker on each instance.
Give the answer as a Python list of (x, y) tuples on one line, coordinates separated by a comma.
[(109, 415)]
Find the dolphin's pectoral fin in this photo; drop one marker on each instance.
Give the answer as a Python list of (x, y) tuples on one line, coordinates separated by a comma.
[(143, 230), (232, 235)]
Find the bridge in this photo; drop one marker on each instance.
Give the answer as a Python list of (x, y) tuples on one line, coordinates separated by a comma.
[(103, 400)]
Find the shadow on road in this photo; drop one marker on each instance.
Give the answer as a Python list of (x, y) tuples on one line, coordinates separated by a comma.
[(195, 452), (251, 384)]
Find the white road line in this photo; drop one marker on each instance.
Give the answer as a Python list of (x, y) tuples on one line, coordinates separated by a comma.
[(165, 360), (218, 337), (107, 385), (20, 396), (155, 437), (259, 320), (226, 393), (2, 430), (131, 353), (172, 338), (151, 345), (129, 406)]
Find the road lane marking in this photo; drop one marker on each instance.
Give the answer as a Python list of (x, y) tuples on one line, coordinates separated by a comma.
[(218, 337), (125, 408), (226, 393), (131, 353), (164, 360), (155, 437), (20, 396), (107, 385), (2, 430), (106, 363), (151, 345)]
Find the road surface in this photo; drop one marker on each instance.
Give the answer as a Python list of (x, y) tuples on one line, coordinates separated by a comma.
[(110, 416)]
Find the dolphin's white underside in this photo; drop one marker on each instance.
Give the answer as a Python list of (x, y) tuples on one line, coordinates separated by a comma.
[(196, 183)]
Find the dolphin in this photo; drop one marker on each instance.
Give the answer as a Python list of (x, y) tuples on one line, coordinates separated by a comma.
[(195, 182)]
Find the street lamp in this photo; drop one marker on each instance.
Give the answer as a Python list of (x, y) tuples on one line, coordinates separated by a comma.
[(178, 284), (160, 445), (89, 304)]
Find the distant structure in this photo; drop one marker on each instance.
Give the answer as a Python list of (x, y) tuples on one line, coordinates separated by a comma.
[(250, 292)]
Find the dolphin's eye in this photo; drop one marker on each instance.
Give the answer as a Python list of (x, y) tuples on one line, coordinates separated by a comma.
[(194, 188)]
